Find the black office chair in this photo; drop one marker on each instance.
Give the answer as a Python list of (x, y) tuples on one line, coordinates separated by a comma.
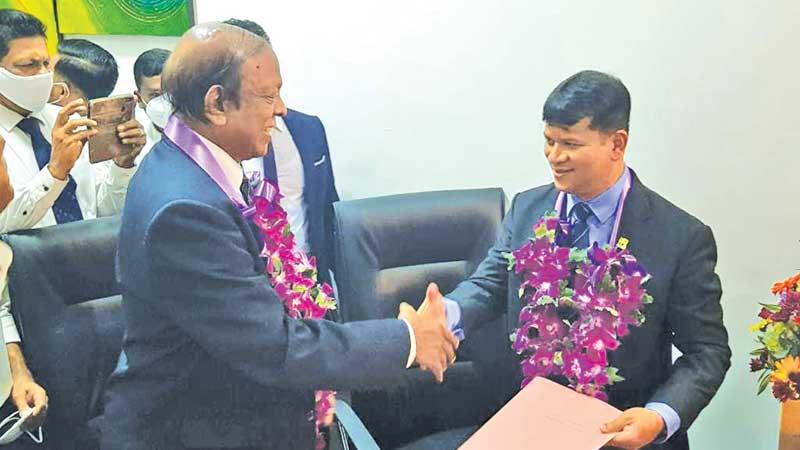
[(67, 308), (387, 250)]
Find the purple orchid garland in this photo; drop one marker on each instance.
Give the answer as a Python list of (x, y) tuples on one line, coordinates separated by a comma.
[(293, 275), (578, 305)]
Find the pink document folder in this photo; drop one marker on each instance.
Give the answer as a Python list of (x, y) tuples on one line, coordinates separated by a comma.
[(546, 416)]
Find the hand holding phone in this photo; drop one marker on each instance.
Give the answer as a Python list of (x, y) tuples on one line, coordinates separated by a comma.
[(109, 113)]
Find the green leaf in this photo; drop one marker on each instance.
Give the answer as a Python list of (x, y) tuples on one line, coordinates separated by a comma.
[(771, 307), (647, 299), (578, 255), (613, 375), (511, 260), (546, 300), (558, 359), (762, 386)]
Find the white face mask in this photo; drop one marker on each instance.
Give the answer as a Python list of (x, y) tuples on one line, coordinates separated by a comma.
[(158, 109), (29, 93), (17, 420)]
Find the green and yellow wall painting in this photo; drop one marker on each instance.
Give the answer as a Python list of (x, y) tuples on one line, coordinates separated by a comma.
[(128, 17)]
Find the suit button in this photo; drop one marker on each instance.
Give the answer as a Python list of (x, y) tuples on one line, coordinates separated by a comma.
[(24, 213), (46, 188)]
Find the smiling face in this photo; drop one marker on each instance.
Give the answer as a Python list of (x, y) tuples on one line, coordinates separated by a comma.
[(584, 162), (248, 127)]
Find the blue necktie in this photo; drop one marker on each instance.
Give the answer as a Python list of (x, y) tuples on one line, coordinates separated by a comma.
[(66, 207), (579, 233)]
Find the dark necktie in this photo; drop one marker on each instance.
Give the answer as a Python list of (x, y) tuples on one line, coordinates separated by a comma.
[(66, 207), (579, 233), (246, 189)]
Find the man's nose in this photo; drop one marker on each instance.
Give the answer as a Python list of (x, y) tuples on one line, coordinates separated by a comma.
[(280, 107)]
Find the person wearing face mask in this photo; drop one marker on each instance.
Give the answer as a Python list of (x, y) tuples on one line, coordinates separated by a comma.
[(51, 183), (53, 180), (153, 108)]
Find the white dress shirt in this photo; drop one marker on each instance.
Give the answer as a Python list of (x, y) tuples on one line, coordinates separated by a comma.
[(234, 174), (101, 188), (291, 180), (153, 136)]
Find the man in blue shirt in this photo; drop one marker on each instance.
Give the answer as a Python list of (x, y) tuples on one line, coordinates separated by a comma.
[(586, 135)]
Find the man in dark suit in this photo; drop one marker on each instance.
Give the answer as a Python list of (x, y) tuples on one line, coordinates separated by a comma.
[(300, 163), (210, 358), (586, 135)]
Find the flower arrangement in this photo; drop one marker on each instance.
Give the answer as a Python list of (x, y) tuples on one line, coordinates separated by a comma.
[(293, 275), (578, 305), (778, 333)]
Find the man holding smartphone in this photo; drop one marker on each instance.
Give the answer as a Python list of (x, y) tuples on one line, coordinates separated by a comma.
[(52, 178)]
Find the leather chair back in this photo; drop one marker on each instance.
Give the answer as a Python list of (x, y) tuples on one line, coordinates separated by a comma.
[(66, 303), (387, 250)]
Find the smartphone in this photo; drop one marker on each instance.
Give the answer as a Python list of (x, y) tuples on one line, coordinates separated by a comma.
[(109, 112)]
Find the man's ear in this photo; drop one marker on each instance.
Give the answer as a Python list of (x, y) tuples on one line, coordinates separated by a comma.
[(619, 143), (214, 106)]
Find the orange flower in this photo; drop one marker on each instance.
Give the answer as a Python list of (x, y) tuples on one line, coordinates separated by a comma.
[(788, 284)]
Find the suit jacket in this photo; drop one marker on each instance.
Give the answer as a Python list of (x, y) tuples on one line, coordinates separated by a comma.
[(210, 359), (319, 191), (679, 252)]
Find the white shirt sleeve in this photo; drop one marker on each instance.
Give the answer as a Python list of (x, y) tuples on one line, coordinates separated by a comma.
[(112, 187), (7, 324), (412, 354), (31, 202)]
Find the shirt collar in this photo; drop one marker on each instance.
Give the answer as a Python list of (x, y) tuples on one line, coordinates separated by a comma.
[(232, 169), (280, 125), (604, 205), (8, 118)]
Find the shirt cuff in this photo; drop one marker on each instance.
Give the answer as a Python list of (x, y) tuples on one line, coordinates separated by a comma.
[(672, 421), (44, 184), (412, 354), (453, 312)]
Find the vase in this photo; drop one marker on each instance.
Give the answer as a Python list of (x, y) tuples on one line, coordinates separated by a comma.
[(790, 425)]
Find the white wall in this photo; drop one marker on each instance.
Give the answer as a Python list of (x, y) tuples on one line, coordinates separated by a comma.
[(436, 94)]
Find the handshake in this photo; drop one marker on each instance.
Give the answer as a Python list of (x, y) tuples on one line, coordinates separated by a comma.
[(436, 345)]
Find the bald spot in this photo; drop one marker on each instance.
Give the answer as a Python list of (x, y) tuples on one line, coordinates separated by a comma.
[(208, 42)]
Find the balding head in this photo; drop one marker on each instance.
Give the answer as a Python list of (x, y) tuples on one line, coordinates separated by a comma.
[(221, 79), (209, 54)]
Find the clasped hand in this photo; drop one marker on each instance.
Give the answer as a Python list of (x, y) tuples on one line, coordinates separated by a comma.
[(436, 344)]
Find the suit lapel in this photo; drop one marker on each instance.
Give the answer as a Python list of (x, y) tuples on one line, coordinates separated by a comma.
[(636, 214)]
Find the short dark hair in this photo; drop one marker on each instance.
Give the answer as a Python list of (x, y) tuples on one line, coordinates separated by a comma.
[(185, 83), (149, 64), (248, 25), (16, 24), (597, 95), (87, 66)]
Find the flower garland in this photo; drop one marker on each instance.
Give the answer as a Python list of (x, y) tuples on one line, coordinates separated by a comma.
[(778, 333), (293, 275), (578, 305)]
